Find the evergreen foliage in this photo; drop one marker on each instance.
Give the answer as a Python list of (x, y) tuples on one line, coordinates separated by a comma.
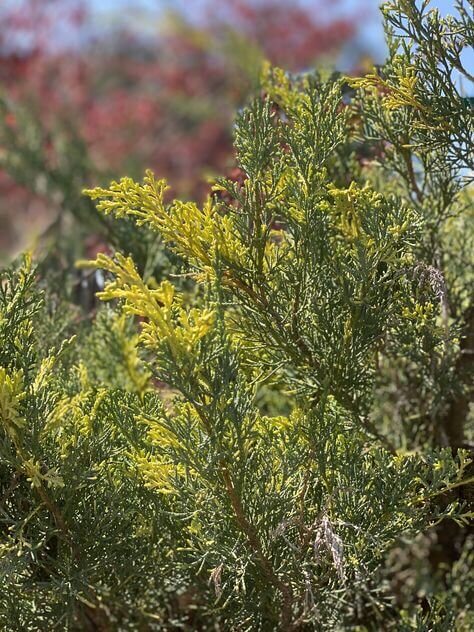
[(278, 437)]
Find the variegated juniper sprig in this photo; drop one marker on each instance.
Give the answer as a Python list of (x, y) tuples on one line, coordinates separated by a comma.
[(254, 450)]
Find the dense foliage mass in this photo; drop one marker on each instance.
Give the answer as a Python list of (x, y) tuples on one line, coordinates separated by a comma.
[(274, 432)]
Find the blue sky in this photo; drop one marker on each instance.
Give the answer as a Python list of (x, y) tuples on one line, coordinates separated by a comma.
[(371, 33), (371, 37), (147, 15)]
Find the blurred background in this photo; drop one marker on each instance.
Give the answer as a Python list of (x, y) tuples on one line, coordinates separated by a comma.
[(91, 90)]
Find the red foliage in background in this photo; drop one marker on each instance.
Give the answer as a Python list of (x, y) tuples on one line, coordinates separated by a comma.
[(135, 102), (289, 35)]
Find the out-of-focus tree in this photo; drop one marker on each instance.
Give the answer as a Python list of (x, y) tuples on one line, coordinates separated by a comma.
[(81, 104)]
